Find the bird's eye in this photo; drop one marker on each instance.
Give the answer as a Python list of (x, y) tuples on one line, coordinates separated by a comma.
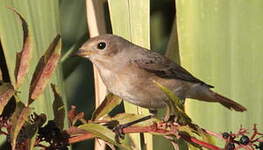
[(101, 45)]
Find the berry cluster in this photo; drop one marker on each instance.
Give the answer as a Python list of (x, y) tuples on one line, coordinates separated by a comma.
[(243, 142), (57, 139)]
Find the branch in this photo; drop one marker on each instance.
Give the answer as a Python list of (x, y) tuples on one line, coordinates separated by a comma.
[(154, 129)]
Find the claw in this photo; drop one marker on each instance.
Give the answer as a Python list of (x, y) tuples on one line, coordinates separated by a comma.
[(119, 129), (119, 132)]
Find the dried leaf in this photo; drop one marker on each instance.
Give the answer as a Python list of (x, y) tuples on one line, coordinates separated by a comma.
[(110, 102), (24, 57), (58, 108), (6, 92), (72, 113), (74, 116), (45, 68), (103, 133), (18, 119), (79, 117)]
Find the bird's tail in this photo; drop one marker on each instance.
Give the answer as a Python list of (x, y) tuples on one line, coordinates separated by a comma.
[(205, 94), (230, 104)]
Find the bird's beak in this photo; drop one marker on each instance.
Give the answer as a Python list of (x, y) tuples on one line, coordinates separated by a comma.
[(83, 53)]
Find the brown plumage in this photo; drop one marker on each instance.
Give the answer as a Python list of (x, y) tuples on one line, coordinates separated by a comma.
[(128, 71)]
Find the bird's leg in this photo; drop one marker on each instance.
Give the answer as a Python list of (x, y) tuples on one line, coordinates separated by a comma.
[(119, 129), (175, 113), (153, 111), (170, 115)]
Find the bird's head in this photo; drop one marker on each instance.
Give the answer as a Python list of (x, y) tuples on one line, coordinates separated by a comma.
[(103, 47)]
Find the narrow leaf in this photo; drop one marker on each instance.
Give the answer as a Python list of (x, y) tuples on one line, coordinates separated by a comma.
[(6, 92), (74, 131), (110, 102), (171, 96), (103, 133), (174, 105), (172, 50), (24, 57), (197, 133), (58, 108), (18, 119), (45, 68), (124, 118)]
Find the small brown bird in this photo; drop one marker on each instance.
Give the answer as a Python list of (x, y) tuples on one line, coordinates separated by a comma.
[(129, 70)]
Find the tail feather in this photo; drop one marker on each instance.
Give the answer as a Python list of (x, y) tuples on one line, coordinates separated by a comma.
[(203, 93), (230, 104)]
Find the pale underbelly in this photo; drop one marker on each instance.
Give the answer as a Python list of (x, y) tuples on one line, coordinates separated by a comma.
[(145, 95)]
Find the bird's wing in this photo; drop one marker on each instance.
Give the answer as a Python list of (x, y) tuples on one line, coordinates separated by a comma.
[(163, 67)]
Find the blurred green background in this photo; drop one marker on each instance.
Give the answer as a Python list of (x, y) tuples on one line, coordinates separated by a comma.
[(219, 42)]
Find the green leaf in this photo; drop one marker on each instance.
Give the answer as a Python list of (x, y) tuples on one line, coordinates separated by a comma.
[(124, 118), (221, 43), (109, 103), (178, 104), (175, 106), (19, 117), (23, 57), (46, 66), (172, 50), (103, 133), (207, 138), (6, 92)]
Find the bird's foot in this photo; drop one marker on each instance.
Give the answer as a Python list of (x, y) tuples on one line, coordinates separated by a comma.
[(119, 132), (170, 118), (119, 129), (169, 121)]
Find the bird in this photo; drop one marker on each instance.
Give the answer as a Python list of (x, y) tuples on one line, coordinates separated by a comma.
[(128, 71)]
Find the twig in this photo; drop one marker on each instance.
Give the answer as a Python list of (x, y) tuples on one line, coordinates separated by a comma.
[(155, 129)]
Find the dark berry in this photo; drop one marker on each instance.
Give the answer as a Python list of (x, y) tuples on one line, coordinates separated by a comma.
[(49, 132), (230, 146), (225, 135), (244, 140)]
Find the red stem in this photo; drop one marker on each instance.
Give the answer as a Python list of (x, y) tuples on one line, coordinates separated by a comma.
[(152, 129), (199, 142)]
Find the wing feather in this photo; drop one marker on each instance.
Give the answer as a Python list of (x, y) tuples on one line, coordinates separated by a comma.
[(163, 67)]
